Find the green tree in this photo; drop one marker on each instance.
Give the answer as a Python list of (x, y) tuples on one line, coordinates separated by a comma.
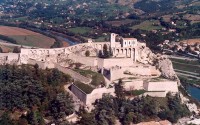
[(119, 90), (62, 106), (128, 118), (100, 54), (5, 119), (1, 50), (106, 53), (87, 119), (36, 66), (35, 118), (87, 53), (16, 49)]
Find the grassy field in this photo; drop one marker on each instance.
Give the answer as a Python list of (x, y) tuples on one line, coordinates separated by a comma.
[(186, 61), (97, 78), (135, 92), (80, 30), (192, 17), (27, 37), (186, 67), (84, 87), (148, 25), (102, 39), (119, 22)]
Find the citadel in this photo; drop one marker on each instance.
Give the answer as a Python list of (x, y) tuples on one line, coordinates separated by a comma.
[(131, 61)]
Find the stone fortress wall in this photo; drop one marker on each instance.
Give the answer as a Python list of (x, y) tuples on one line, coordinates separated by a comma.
[(89, 99), (153, 88), (130, 58), (9, 58)]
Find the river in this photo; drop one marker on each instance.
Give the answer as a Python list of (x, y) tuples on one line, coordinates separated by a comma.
[(57, 35), (67, 40), (194, 92)]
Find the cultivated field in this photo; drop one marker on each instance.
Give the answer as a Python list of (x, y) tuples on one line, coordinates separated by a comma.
[(80, 30), (27, 37), (148, 25), (119, 22), (192, 17)]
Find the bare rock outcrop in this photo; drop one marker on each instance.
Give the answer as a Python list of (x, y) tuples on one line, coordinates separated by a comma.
[(166, 68), (146, 56)]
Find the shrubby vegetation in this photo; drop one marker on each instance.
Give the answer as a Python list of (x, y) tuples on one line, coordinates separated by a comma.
[(84, 87), (97, 78), (109, 109), (1, 50), (106, 53), (153, 6), (38, 92)]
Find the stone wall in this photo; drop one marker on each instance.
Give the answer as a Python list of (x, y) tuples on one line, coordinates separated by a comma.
[(88, 99), (42, 65), (89, 61), (134, 85), (168, 86), (143, 70), (116, 73), (9, 58), (97, 94), (79, 93), (108, 63)]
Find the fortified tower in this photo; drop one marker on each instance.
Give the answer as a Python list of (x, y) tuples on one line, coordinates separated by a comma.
[(112, 40)]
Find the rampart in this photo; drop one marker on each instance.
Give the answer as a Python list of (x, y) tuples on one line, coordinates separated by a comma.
[(168, 86), (9, 58), (88, 99)]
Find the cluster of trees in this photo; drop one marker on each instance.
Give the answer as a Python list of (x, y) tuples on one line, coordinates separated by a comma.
[(106, 53), (109, 109), (39, 92), (155, 6)]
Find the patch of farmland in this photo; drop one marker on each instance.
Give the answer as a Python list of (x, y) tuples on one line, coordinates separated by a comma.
[(27, 37)]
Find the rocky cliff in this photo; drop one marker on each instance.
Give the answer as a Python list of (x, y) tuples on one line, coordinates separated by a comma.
[(160, 61)]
